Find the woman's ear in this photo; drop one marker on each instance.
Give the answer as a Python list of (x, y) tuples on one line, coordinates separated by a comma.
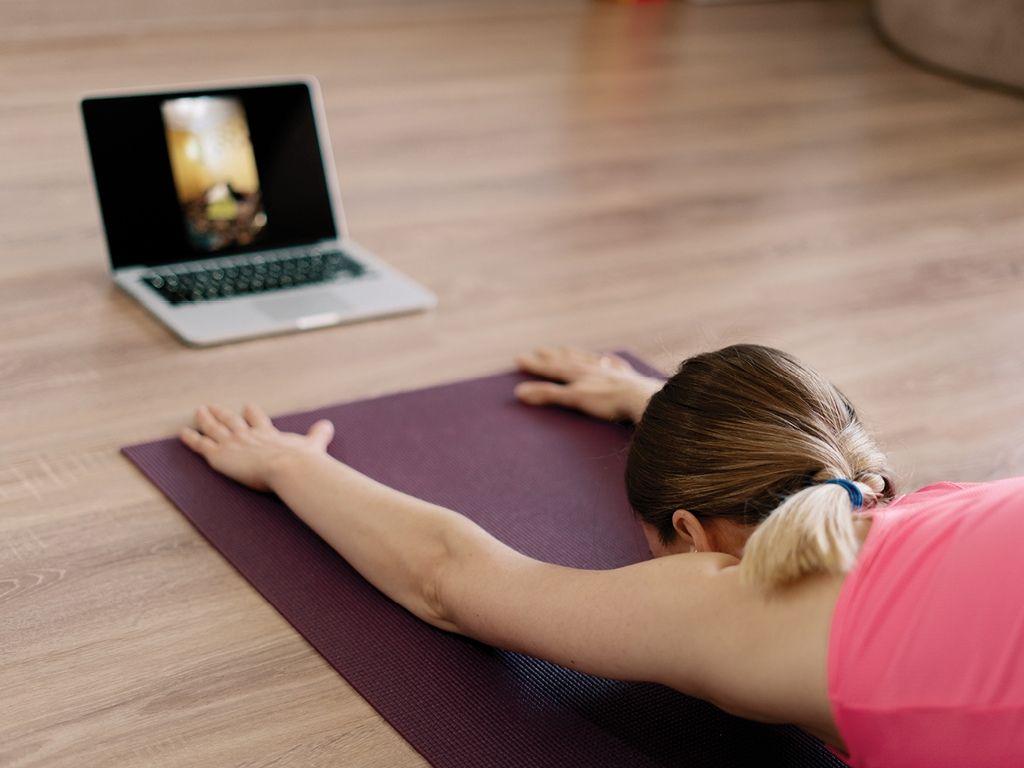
[(689, 530)]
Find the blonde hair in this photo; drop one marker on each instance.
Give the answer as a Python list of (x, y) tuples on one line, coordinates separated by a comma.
[(749, 434)]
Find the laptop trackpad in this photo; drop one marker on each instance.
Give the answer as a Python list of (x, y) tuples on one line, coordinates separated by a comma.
[(315, 304)]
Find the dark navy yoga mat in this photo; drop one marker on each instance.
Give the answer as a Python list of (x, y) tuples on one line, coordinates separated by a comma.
[(546, 481)]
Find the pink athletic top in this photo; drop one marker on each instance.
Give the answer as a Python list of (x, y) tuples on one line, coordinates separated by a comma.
[(926, 653)]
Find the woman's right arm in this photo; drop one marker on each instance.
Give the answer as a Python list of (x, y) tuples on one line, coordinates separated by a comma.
[(686, 621), (445, 569)]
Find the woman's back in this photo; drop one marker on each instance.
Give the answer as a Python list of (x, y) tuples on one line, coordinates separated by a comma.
[(925, 658)]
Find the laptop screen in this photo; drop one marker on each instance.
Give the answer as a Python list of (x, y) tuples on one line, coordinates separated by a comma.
[(193, 175)]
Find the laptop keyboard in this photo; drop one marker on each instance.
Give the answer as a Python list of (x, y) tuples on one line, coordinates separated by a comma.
[(256, 274)]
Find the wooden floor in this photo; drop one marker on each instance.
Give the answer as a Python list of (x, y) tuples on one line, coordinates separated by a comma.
[(664, 178)]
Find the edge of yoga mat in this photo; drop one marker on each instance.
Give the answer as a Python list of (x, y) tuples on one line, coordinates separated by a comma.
[(457, 702)]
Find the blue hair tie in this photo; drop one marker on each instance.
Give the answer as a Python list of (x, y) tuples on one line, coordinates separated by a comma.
[(856, 497)]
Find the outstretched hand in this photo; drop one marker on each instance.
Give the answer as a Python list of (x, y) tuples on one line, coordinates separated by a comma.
[(247, 447), (601, 385)]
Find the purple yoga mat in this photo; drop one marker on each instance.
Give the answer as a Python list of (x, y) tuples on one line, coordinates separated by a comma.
[(547, 482)]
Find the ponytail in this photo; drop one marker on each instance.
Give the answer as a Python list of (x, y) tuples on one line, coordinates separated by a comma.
[(811, 532)]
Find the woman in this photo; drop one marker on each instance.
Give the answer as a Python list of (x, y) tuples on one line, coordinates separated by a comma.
[(888, 628)]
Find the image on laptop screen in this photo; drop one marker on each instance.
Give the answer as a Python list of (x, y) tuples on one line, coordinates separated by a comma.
[(214, 170)]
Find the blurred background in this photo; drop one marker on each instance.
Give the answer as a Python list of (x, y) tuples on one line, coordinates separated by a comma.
[(665, 177)]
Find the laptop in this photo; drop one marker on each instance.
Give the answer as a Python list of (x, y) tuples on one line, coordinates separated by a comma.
[(222, 214)]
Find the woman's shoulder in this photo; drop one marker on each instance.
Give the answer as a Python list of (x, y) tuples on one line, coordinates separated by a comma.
[(941, 506), (949, 490), (939, 488), (932, 492)]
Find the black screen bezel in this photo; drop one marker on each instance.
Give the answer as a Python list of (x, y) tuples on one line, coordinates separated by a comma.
[(124, 249)]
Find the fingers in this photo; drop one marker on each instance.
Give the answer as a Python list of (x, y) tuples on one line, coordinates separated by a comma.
[(255, 416), (210, 425), (547, 362), (611, 360), (544, 393), (197, 442), (229, 418), (568, 363), (321, 433)]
